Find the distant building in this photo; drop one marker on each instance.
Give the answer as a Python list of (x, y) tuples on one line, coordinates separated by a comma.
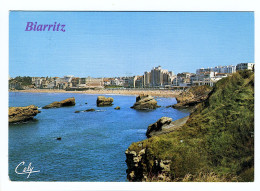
[(107, 81), (207, 78), (219, 69), (117, 82), (129, 82), (245, 66), (182, 79), (44, 83), (88, 82), (147, 79), (138, 82), (68, 78), (75, 82), (158, 77)]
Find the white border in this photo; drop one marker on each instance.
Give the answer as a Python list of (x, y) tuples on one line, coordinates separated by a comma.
[(115, 5)]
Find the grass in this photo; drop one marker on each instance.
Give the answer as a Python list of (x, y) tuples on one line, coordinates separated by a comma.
[(218, 137)]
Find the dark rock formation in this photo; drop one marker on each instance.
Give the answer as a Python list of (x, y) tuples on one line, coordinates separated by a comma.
[(158, 125), (192, 97), (142, 164), (165, 125), (63, 103), (89, 110), (145, 102), (103, 101), (138, 170), (117, 108), (21, 114)]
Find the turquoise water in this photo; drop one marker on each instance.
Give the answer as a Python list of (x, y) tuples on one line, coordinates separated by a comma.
[(93, 144)]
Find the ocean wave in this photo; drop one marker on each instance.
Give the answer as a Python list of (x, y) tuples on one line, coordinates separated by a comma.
[(100, 110)]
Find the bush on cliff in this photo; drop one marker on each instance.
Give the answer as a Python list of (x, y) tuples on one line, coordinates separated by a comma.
[(25, 81), (218, 137)]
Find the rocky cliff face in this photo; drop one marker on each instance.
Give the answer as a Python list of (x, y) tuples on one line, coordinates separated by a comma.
[(141, 162), (63, 103), (165, 125), (103, 101), (139, 170), (145, 102), (21, 114), (158, 125), (192, 96), (218, 137)]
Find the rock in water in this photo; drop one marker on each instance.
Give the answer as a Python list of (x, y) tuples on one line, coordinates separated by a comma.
[(63, 103), (89, 110), (144, 102), (103, 101), (117, 108), (158, 125), (21, 114)]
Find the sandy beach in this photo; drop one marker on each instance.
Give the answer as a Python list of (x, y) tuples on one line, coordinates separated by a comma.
[(156, 93)]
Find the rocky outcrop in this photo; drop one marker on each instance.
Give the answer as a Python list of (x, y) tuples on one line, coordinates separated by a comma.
[(138, 168), (145, 102), (165, 125), (142, 164), (89, 110), (63, 103), (22, 114), (103, 101), (158, 125), (207, 141), (192, 97)]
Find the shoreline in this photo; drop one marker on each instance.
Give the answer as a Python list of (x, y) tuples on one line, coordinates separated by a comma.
[(155, 93)]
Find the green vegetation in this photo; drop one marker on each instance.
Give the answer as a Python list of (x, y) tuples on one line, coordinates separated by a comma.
[(218, 137), (25, 81), (208, 177), (199, 90)]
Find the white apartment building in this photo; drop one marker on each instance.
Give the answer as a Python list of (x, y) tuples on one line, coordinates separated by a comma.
[(207, 78), (245, 66), (219, 69)]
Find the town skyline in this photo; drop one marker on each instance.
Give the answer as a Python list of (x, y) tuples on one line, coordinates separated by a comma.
[(129, 75), (157, 77), (127, 43)]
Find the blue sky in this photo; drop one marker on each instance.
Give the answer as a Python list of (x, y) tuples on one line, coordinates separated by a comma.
[(107, 44)]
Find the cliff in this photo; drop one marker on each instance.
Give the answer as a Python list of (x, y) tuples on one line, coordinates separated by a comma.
[(22, 114), (192, 96), (165, 125), (217, 138)]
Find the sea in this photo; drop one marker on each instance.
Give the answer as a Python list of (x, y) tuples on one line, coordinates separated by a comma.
[(92, 146)]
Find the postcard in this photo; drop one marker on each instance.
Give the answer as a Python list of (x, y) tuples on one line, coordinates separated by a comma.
[(131, 96)]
